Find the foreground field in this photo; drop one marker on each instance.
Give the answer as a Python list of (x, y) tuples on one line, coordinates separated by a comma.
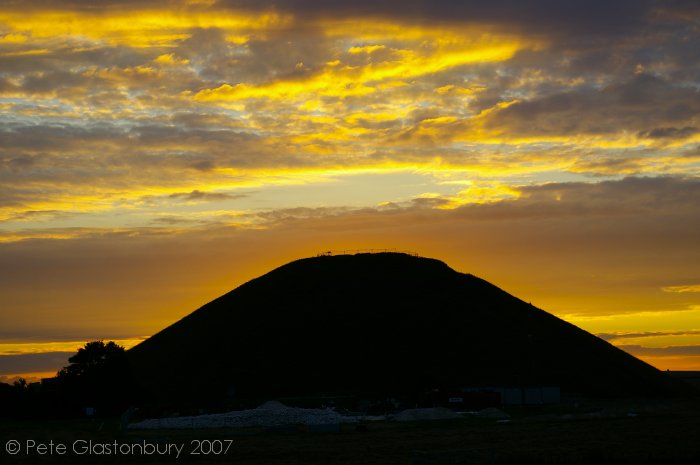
[(610, 434)]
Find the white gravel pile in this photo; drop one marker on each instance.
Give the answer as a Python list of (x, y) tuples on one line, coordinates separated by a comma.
[(493, 413), (273, 413), (269, 414), (417, 414)]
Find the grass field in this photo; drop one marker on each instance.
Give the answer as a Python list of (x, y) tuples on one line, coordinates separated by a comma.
[(613, 433)]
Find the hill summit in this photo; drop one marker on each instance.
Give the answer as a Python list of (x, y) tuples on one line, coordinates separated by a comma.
[(387, 323)]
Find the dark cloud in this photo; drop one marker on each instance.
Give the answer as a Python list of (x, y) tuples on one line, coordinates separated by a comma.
[(61, 58), (208, 49), (40, 215), (661, 351), (24, 363), (429, 202), (16, 163), (636, 105), (6, 86), (44, 137), (629, 197), (669, 133), (204, 165), (291, 53), (51, 81), (174, 220), (299, 214), (616, 336), (609, 164), (693, 153), (539, 16), (200, 121), (76, 154), (199, 196)]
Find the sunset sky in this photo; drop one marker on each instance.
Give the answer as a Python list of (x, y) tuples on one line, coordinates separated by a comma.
[(155, 154)]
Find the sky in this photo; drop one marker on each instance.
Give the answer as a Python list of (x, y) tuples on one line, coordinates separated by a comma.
[(155, 154)]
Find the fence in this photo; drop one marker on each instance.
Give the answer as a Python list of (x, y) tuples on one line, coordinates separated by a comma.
[(330, 253)]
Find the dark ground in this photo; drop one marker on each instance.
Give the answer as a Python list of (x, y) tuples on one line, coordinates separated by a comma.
[(600, 433)]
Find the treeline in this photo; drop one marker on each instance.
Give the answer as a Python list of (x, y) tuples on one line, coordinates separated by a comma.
[(97, 381)]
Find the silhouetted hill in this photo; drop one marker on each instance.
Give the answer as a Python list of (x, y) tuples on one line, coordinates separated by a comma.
[(381, 323)]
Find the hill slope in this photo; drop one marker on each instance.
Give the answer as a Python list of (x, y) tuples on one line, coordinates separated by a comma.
[(386, 322)]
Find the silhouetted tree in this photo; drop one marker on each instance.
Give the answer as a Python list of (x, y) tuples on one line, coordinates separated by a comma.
[(94, 360), (98, 376), (21, 384), (15, 399)]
